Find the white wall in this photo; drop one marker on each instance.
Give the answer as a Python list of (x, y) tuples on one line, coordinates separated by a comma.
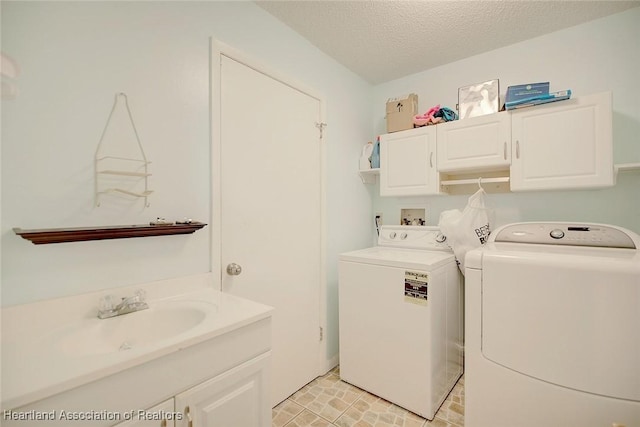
[(603, 55), (74, 57)]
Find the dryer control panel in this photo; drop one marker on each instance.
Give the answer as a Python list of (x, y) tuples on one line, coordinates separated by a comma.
[(564, 233)]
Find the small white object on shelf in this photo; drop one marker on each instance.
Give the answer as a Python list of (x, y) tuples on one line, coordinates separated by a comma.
[(367, 151), (161, 221)]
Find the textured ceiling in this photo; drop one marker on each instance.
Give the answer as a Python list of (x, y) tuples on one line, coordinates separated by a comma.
[(386, 40)]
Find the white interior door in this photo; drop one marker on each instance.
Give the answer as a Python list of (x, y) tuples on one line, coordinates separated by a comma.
[(271, 210)]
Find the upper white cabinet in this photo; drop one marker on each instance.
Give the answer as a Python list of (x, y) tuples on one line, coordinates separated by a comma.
[(477, 143), (560, 145), (563, 145), (408, 163)]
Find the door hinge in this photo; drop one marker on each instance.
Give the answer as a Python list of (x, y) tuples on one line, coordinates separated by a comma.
[(321, 333), (321, 126)]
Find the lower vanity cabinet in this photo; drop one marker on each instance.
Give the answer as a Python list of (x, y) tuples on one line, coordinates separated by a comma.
[(162, 415), (222, 381), (563, 145), (408, 163), (235, 398)]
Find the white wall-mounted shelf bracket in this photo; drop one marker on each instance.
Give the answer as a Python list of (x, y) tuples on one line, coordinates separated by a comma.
[(368, 176)]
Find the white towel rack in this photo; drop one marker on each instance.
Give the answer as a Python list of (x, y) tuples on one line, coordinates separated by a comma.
[(127, 167)]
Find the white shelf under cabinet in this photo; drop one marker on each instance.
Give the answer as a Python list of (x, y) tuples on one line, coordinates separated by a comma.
[(478, 181), (468, 183)]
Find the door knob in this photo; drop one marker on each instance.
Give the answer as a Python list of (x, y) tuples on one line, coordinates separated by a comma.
[(233, 269)]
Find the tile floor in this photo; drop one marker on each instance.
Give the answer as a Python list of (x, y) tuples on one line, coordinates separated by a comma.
[(329, 402)]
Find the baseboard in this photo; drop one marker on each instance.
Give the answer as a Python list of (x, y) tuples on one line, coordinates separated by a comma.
[(331, 363)]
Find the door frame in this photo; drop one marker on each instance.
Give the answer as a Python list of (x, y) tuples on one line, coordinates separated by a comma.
[(217, 51)]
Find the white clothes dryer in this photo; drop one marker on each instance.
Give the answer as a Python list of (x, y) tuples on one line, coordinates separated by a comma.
[(552, 317), (400, 308)]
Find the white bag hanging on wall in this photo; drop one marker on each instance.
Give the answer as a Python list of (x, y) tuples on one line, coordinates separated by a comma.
[(468, 229)]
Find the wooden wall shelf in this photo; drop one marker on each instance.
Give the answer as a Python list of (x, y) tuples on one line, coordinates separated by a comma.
[(82, 234)]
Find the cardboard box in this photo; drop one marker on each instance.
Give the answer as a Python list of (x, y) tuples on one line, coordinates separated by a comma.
[(400, 112)]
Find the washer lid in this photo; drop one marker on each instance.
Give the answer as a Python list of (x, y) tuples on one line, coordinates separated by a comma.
[(567, 234), (401, 258), (572, 241)]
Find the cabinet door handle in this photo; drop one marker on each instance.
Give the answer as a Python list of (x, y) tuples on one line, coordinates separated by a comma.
[(431, 160), (187, 414), (505, 150), (517, 149)]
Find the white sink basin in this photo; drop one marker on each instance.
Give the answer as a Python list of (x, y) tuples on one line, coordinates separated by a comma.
[(163, 320)]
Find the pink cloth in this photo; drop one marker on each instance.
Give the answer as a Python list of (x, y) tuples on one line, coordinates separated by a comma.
[(427, 118)]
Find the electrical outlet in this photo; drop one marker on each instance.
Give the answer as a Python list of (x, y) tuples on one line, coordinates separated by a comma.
[(377, 221)]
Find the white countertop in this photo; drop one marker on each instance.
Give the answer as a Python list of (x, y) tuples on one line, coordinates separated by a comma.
[(34, 367)]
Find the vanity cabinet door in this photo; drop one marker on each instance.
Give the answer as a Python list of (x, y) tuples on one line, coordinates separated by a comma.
[(408, 163), (477, 143), (161, 415), (566, 144), (238, 398)]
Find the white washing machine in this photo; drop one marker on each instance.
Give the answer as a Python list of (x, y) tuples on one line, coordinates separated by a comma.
[(400, 307), (552, 327)]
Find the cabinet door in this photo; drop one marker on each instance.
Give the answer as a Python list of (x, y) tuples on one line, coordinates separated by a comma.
[(238, 398), (476, 143), (408, 163), (563, 145), (161, 415)]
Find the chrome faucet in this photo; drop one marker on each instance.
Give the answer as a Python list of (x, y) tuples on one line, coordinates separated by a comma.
[(126, 305)]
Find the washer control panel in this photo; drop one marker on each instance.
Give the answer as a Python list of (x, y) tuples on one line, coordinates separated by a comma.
[(561, 233), (412, 237)]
